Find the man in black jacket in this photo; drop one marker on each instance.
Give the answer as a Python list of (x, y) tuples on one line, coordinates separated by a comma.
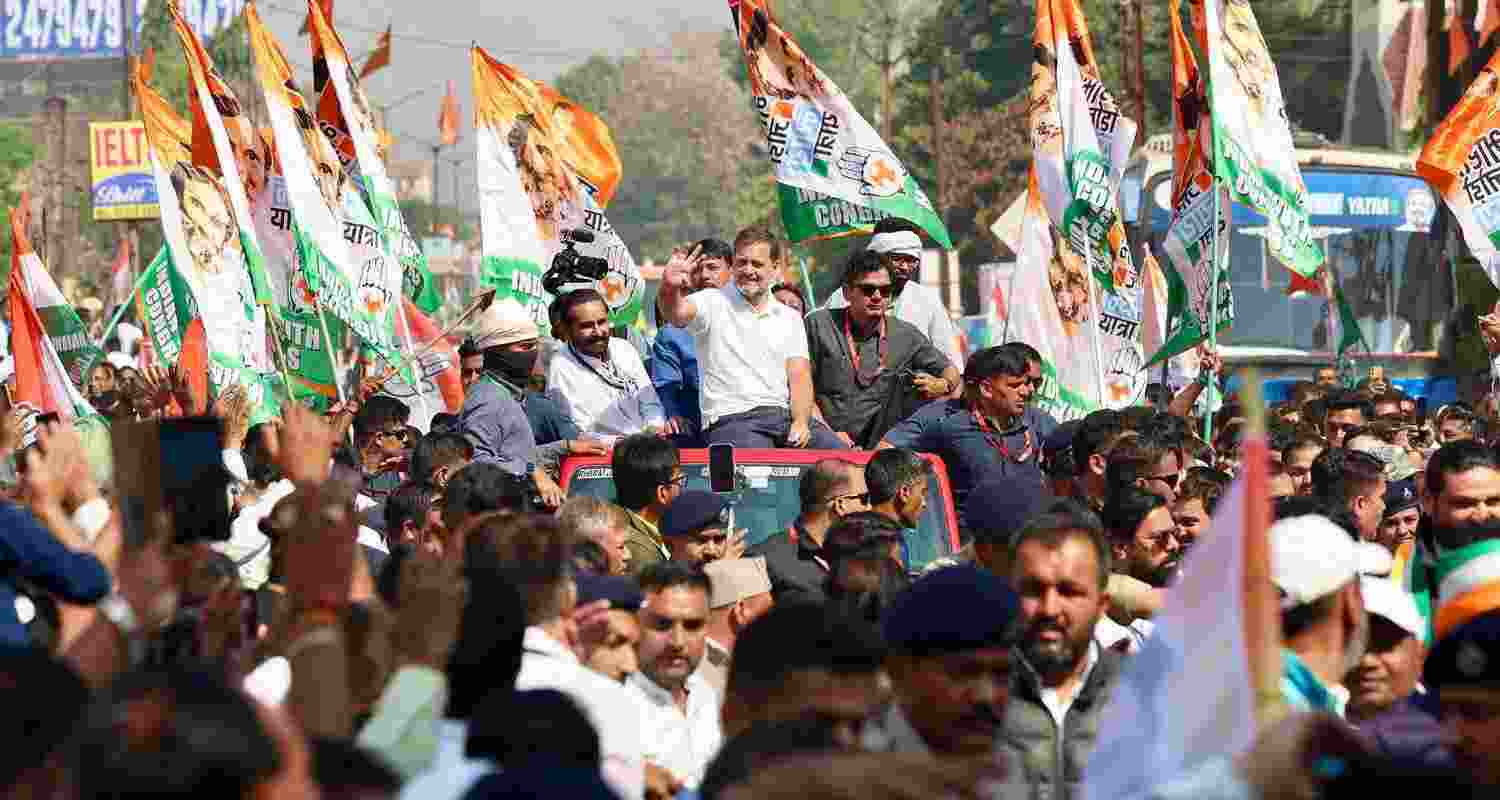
[(830, 489)]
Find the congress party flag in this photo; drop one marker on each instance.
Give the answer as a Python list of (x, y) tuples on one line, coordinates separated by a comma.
[(1462, 161), (206, 241), (1253, 154), (1079, 142), (516, 117), (1197, 240), (836, 176), (588, 148), (436, 385), (215, 107), (448, 118), (1049, 307), (513, 258), (47, 339), (345, 115)]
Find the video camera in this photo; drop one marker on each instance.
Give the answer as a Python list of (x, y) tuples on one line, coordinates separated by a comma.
[(570, 266)]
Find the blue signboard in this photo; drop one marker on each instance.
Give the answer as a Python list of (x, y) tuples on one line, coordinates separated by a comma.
[(207, 18), (64, 29), (1338, 199)]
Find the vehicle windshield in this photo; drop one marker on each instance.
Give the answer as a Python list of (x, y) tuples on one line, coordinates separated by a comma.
[(1375, 229), (768, 503)]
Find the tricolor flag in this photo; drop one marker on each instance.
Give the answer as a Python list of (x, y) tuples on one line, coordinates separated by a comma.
[(835, 175), (1458, 43), (207, 226), (47, 339), (175, 336), (1049, 309), (1189, 695), (513, 256), (1079, 142), (357, 281), (1197, 240), (516, 117), (1462, 161), (379, 57), (346, 111), (327, 6), (1252, 151)]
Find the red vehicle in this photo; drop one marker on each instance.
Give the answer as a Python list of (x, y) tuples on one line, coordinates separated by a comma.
[(767, 501)]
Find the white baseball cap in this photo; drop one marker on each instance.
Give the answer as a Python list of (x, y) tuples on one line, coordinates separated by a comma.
[(1384, 598), (1311, 558)]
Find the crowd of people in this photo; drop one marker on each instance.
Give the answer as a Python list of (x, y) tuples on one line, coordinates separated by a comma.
[(403, 613)]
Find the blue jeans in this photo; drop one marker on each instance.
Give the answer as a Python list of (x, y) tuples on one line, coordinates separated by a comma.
[(767, 427)]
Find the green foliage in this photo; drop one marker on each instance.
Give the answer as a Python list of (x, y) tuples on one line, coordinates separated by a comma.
[(16, 154)]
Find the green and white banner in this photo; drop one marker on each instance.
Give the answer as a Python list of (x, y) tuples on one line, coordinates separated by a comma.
[(819, 144), (1253, 153)]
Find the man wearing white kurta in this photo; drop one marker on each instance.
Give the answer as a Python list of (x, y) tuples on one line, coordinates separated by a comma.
[(914, 303), (597, 380)]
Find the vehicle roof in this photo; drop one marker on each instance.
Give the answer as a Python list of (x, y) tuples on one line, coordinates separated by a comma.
[(1156, 153)]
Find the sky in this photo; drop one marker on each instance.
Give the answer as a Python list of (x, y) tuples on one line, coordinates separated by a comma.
[(430, 46)]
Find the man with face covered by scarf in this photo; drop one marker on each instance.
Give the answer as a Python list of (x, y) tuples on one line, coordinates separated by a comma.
[(492, 418), (900, 249)]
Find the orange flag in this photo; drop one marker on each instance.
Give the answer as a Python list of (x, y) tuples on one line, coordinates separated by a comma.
[(1458, 44), (327, 6), (448, 118), (1461, 160), (587, 145), (380, 56)]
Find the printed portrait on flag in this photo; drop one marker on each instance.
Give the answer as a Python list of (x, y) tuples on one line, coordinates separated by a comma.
[(779, 68), (252, 154), (1070, 289), (542, 176)]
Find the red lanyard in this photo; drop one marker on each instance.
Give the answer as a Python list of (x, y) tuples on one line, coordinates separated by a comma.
[(997, 441), (854, 352)]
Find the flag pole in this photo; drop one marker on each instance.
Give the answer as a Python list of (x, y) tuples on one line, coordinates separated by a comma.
[(1211, 382), (333, 353), (1098, 317), (286, 377), (114, 321)]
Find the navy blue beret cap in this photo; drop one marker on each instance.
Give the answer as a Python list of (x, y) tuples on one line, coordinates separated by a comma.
[(693, 511), (953, 610), (1468, 656), (622, 593)]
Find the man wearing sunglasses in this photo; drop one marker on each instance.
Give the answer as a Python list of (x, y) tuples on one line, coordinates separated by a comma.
[(871, 370), (899, 245)]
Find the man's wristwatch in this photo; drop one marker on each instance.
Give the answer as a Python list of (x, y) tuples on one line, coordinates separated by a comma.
[(118, 611)]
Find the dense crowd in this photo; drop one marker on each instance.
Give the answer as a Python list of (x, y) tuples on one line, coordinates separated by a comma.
[(393, 612)]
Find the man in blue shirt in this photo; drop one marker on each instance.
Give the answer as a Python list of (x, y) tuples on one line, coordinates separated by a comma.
[(492, 418), (984, 434), (673, 365)]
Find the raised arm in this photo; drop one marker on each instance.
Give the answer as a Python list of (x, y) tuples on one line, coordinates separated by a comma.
[(676, 285)]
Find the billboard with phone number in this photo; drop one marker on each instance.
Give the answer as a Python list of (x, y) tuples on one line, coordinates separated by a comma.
[(43, 30), (120, 172)]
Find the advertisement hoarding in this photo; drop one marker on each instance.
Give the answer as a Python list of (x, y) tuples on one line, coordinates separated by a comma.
[(120, 171), (45, 30)]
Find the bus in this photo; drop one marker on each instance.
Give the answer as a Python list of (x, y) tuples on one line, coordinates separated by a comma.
[(1377, 222)]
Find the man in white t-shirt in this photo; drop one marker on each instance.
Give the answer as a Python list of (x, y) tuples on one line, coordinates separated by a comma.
[(756, 386), (901, 251)]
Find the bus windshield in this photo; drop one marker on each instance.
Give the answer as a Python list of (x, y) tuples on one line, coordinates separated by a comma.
[(1376, 230)]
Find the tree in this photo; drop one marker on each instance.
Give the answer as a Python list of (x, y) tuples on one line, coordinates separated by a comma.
[(16, 154)]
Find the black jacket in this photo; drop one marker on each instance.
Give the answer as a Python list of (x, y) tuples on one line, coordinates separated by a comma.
[(795, 567)]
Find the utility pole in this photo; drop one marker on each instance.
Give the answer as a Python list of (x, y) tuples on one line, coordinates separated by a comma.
[(1139, 11)]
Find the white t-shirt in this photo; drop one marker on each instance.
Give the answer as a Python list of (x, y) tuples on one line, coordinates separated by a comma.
[(742, 353), (922, 306), (613, 398)]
